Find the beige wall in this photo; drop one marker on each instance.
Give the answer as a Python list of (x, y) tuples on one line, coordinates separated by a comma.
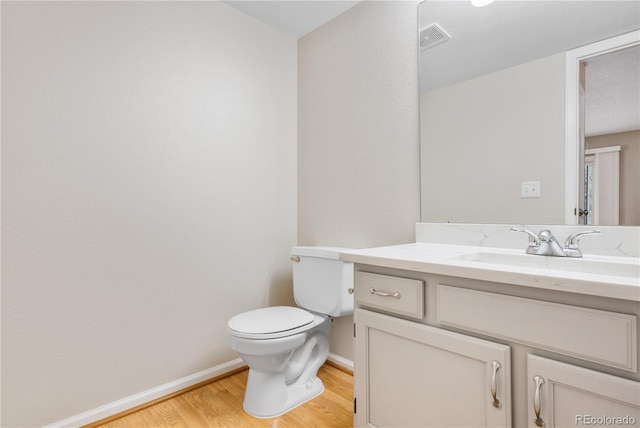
[(148, 194), (358, 151), (629, 143), (481, 138)]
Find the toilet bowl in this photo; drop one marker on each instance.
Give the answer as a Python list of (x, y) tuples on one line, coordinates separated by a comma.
[(284, 346), (283, 365)]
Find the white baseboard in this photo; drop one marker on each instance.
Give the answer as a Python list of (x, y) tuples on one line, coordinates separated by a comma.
[(339, 361), (146, 396), (149, 395)]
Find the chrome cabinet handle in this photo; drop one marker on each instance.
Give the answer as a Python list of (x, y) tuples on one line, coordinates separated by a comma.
[(494, 388), (536, 401), (384, 294)]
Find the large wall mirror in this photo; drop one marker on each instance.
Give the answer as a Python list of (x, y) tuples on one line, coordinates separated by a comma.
[(496, 120)]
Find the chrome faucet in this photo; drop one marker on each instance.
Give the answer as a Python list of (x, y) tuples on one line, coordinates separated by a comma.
[(545, 244), (571, 248)]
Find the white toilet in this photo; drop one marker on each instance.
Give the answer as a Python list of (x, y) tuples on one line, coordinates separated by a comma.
[(285, 346)]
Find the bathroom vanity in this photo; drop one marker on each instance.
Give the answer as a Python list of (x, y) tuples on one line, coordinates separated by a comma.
[(459, 335)]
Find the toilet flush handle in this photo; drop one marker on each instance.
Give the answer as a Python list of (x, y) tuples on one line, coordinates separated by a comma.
[(295, 259)]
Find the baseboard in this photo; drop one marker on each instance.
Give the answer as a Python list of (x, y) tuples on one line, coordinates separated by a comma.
[(163, 391), (340, 362), (147, 396)]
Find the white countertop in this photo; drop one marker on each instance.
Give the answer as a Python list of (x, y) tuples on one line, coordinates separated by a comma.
[(442, 259)]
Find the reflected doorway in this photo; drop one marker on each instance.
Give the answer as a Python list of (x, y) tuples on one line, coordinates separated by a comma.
[(607, 132)]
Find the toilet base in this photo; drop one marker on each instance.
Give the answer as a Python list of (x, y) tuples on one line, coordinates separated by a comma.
[(268, 396), (272, 392)]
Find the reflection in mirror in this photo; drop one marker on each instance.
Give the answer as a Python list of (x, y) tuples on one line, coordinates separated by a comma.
[(610, 188), (493, 108)]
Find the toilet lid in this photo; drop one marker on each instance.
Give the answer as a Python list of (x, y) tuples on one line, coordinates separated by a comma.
[(270, 320)]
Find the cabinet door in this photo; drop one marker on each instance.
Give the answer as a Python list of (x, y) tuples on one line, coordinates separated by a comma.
[(412, 375), (563, 395)]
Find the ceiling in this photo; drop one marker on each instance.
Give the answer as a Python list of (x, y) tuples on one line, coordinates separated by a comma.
[(499, 36), (612, 85), (293, 17)]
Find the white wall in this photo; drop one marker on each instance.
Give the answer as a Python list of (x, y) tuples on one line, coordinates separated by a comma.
[(148, 194), (358, 148), (483, 137)]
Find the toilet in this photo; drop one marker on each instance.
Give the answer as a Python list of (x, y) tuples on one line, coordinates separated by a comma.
[(284, 346)]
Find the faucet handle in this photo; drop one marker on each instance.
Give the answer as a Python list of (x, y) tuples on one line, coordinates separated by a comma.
[(571, 244), (534, 241)]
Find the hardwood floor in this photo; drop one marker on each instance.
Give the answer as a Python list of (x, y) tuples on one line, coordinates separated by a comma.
[(219, 404)]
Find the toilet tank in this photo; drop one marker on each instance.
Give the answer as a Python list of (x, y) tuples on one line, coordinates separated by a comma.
[(321, 281)]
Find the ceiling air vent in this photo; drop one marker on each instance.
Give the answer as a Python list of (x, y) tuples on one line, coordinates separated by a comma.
[(432, 35)]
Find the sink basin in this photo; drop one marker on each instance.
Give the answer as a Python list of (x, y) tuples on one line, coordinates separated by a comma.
[(584, 265)]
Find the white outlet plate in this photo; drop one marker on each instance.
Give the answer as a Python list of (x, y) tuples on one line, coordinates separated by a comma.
[(530, 190)]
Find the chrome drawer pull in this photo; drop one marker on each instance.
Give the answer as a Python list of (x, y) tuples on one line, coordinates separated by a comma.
[(494, 388), (383, 294), (536, 401)]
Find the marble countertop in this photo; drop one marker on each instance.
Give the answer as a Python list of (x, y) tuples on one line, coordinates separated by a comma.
[(483, 263)]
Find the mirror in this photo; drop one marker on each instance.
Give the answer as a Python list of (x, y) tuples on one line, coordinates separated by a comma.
[(493, 107)]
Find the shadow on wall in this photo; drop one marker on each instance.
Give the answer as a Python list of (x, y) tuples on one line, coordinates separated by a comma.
[(281, 290)]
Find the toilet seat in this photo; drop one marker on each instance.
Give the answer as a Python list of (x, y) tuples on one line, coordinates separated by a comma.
[(272, 322)]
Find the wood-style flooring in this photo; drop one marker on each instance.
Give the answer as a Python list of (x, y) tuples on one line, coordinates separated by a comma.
[(219, 404)]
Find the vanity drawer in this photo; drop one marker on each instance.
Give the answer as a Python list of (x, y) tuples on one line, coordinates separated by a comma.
[(603, 337), (390, 293)]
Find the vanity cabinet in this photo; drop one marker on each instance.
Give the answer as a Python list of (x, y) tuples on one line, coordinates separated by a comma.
[(420, 376), (433, 351), (565, 395)]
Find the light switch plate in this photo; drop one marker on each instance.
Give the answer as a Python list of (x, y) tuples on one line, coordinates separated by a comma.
[(530, 190)]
